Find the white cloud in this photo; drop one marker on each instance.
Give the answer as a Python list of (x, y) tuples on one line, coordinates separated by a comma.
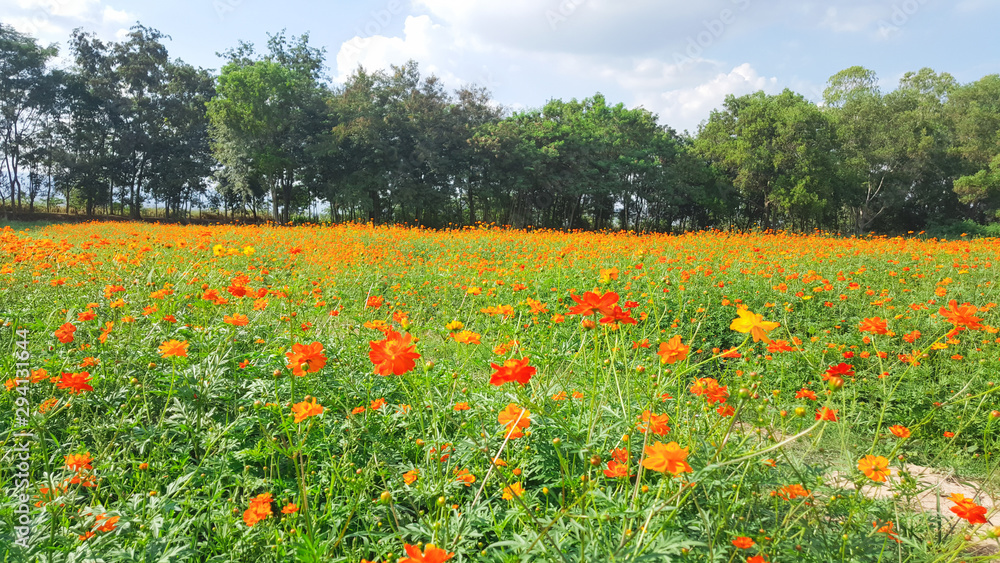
[(50, 21), (685, 108), (116, 17), (423, 41)]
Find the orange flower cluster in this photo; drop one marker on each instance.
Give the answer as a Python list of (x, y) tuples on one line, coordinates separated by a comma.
[(259, 509)]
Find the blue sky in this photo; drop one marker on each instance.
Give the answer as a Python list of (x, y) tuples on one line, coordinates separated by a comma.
[(677, 58)]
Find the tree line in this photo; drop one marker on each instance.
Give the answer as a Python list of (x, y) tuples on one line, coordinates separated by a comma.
[(128, 130)]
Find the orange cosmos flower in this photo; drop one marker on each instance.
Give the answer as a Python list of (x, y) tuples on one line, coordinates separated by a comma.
[(65, 333), (173, 348), (666, 458), (743, 542), (238, 319), (290, 509), (899, 431), (109, 523), (886, 529), (305, 409), (308, 355), (79, 462), (465, 477), (514, 420), (76, 382), (467, 337), (657, 423), (875, 467), (431, 554), (461, 407), (673, 351), (874, 325), (410, 476), (374, 302), (591, 303), (515, 490), (748, 322), (512, 370), (962, 316), (394, 355)]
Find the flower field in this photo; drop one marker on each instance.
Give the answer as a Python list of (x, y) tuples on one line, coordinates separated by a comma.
[(359, 393)]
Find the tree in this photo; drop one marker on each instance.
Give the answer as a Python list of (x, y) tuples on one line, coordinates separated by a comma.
[(27, 100), (778, 151), (264, 113)]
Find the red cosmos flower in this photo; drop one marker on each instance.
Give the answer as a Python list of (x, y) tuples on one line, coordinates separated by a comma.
[(886, 529), (591, 303), (395, 355), (826, 413), (789, 492), (743, 542), (308, 355), (900, 431), (76, 382), (65, 333), (779, 346), (512, 370), (431, 554), (839, 371), (967, 509), (874, 325), (618, 315), (962, 316), (805, 394), (710, 388), (615, 470)]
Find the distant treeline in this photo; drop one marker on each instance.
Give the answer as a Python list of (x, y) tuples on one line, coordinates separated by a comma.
[(127, 128)]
